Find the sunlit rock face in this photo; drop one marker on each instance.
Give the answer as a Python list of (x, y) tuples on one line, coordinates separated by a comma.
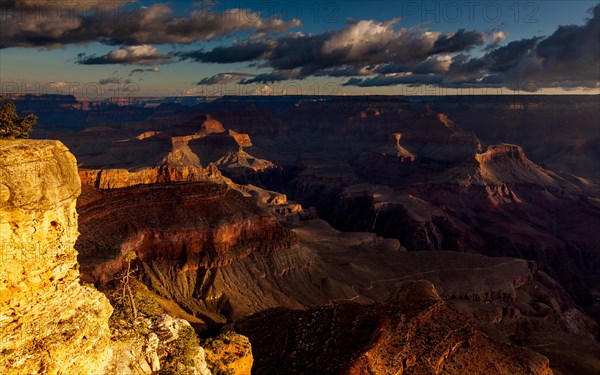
[(192, 225), (198, 153), (49, 322)]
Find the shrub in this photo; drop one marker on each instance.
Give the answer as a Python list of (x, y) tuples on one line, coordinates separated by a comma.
[(11, 125)]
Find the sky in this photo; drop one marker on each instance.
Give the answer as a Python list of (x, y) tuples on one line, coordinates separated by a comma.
[(120, 48)]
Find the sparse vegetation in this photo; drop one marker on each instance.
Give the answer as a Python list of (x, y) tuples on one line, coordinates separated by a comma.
[(227, 352), (12, 126), (182, 351), (125, 277)]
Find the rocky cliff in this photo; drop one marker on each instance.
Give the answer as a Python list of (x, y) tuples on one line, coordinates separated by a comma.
[(200, 154), (119, 178), (414, 333), (49, 322), (180, 233)]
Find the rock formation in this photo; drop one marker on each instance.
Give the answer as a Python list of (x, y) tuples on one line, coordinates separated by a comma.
[(229, 353), (49, 322), (311, 266), (414, 333), (159, 156), (194, 225), (492, 176)]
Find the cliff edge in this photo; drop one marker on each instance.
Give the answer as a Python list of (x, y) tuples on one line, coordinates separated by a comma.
[(49, 322)]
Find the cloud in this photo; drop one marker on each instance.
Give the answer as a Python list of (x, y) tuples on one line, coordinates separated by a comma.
[(465, 69), (224, 78), (434, 64), (275, 76), (396, 79), (498, 37), (264, 90), (155, 69), (229, 54), (568, 58), (59, 85), (572, 53), (48, 25), (369, 52), (346, 71), (192, 91), (355, 50), (113, 81), (69, 5), (460, 41), (126, 55), (364, 42)]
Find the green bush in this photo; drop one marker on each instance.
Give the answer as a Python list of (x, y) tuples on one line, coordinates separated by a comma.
[(11, 125), (182, 351)]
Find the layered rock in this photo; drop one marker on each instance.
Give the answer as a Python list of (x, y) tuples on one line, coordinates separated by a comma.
[(163, 156), (198, 244), (496, 201), (503, 164), (198, 224), (120, 178), (49, 322), (414, 333)]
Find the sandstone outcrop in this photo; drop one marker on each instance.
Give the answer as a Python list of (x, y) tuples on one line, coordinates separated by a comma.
[(159, 156), (49, 322), (229, 353), (120, 178), (504, 164)]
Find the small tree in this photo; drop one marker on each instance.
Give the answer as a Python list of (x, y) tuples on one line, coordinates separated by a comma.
[(126, 274), (11, 125)]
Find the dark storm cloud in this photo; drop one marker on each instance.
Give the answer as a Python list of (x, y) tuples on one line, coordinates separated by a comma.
[(568, 58), (127, 55), (460, 41), (465, 69), (229, 54), (224, 78), (572, 53), (505, 58), (365, 43), (29, 23), (435, 65), (357, 48), (509, 59)]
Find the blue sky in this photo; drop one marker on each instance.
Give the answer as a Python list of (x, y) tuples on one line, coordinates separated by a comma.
[(55, 68)]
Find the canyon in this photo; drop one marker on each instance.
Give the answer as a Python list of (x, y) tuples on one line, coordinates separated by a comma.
[(304, 223), (50, 321)]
